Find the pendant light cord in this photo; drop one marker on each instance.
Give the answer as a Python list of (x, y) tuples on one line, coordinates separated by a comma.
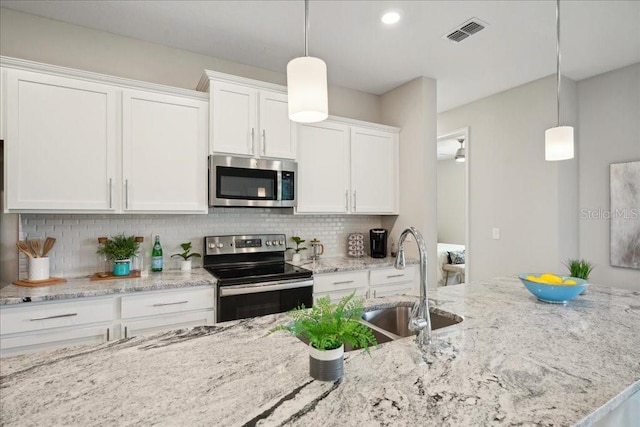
[(558, 77), (306, 28)]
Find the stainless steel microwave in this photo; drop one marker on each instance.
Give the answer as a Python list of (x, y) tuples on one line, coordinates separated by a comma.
[(249, 182)]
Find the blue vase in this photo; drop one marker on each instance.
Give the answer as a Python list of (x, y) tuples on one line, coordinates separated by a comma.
[(121, 267)]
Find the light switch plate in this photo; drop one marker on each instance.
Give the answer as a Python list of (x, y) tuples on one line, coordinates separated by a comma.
[(495, 233)]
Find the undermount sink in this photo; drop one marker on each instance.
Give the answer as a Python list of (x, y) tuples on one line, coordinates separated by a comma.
[(389, 324), (395, 320)]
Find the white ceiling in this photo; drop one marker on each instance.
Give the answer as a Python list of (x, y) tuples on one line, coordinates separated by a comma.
[(361, 53)]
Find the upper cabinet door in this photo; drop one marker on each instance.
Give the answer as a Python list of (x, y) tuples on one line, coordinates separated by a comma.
[(164, 153), (323, 168), (233, 117), (374, 171), (60, 143), (276, 130)]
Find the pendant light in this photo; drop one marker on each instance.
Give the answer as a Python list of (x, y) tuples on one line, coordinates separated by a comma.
[(460, 154), (558, 141), (307, 83)]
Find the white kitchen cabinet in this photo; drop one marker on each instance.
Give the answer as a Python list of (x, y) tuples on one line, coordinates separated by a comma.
[(38, 326), (323, 168), (347, 168), (337, 285), (248, 117), (374, 172), (61, 138), (150, 312), (391, 281), (82, 142), (164, 147)]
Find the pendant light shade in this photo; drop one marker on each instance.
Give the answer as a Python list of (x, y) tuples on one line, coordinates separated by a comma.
[(558, 141), (307, 87), (460, 154), (307, 83)]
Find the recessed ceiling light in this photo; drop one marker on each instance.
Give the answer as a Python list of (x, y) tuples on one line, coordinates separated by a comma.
[(390, 17)]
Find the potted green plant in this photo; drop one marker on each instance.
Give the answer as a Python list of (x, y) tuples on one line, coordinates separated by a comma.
[(328, 327), (579, 268), (186, 255), (297, 255), (119, 250)]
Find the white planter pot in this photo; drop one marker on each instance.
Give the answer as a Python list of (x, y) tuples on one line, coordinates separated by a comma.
[(185, 265), (296, 258), (326, 365)]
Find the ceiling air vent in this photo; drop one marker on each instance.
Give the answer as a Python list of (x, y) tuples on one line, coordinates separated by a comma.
[(465, 30)]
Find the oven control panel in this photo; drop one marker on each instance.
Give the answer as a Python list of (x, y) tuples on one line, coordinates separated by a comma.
[(237, 244)]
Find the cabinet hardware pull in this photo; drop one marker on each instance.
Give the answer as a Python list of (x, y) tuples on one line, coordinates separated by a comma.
[(346, 201), (354, 200), (126, 194), (395, 275), (126, 332), (169, 303), (107, 334), (110, 193), (57, 316), (374, 293), (344, 282), (264, 142), (252, 147)]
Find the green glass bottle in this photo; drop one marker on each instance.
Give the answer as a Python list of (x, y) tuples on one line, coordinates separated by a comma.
[(156, 256)]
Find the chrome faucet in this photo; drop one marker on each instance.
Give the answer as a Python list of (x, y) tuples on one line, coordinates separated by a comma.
[(420, 320)]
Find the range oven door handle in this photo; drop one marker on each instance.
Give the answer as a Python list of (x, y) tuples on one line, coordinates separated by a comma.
[(254, 288)]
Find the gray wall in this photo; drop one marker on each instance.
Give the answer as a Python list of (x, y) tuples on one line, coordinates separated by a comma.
[(609, 112), (451, 202), (512, 187)]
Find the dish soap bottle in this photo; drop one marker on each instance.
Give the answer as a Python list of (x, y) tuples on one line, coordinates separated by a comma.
[(156, 256)]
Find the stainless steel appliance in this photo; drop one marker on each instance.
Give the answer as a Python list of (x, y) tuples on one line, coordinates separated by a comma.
[(378, 237), (248, 182), (253, 277)]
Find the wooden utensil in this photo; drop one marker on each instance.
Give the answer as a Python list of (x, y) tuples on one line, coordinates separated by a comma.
[(48, 244), (35, 247), (22, 247)]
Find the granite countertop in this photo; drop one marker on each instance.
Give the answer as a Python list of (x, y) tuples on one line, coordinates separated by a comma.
[(343, 263), (512, 361), (83, 287), (168, 279)]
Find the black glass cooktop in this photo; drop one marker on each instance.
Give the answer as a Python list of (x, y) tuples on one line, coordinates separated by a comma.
[(236, 275)]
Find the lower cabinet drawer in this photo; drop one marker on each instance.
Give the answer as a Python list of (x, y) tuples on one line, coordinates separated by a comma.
[(332, 282), (388, 290), (174, 301), (392, 275), (131, 328), (337, 295), (47, 315)]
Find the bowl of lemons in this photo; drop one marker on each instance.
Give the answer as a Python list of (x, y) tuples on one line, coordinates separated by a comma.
[(552, 288)]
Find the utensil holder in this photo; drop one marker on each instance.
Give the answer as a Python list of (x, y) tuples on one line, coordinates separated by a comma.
[(38, 268)]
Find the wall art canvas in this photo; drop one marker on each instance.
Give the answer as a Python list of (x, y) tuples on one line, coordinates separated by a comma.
[(625, 214)]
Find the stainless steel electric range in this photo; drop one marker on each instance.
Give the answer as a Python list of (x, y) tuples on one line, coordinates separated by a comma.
[(253, 277)]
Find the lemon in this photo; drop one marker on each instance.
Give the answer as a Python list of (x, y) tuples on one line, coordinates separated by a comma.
[(570, 282), (551, 279)]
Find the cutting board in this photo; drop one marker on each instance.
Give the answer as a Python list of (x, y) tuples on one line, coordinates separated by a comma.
[(35, 283)]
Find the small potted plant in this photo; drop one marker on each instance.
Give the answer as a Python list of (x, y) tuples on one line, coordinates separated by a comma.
[(579, 268), (328, 327), (120, 249), (186, 255), (298, 241)]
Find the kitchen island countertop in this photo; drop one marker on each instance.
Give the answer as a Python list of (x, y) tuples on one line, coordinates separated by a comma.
[(512, 361)]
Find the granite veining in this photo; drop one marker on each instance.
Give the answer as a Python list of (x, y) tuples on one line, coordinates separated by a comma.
[(83, 287), (343, 263), (512, 361)]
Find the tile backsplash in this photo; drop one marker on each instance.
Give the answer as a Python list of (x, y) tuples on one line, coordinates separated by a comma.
[(75, 251)]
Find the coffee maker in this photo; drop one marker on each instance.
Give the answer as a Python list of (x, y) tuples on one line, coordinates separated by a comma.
[(378, 238)]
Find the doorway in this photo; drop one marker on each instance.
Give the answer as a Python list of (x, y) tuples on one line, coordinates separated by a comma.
[(453, 207)]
